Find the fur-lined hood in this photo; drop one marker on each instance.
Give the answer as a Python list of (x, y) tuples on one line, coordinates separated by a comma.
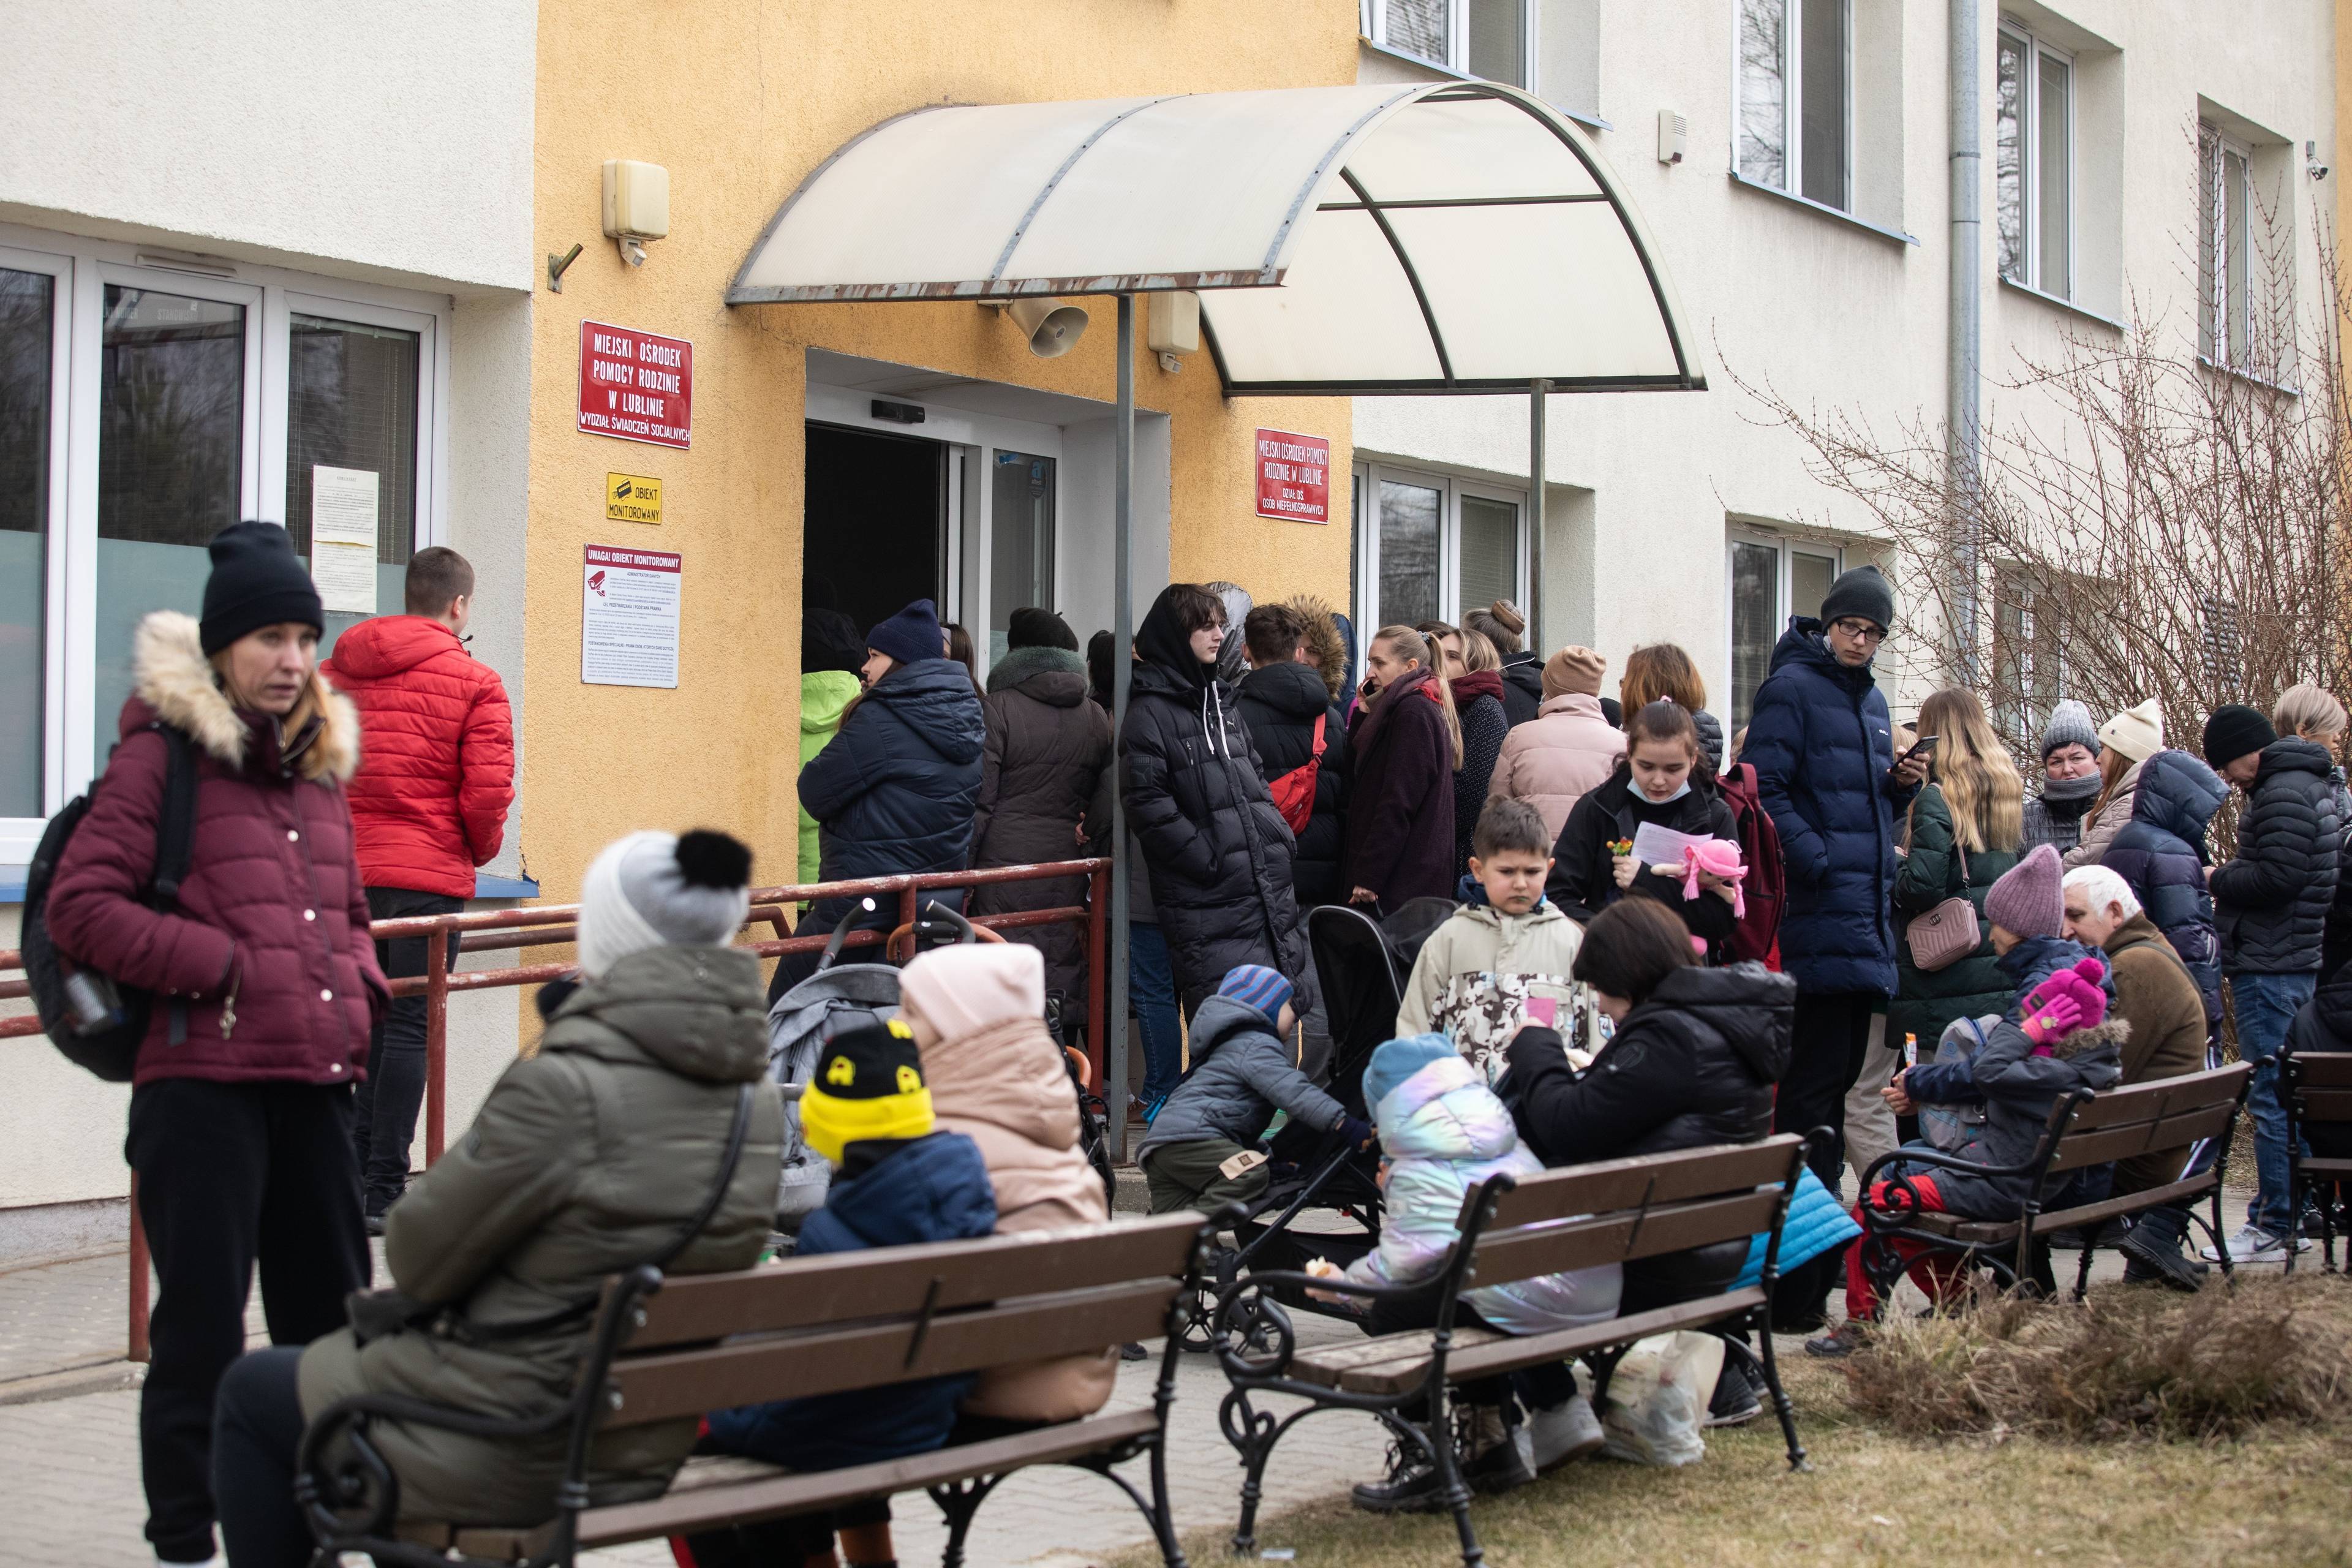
[(170, 675), (2111, 1033)]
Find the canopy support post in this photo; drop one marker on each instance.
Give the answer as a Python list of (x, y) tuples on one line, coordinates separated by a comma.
[(1537, 398), (1122, 635)]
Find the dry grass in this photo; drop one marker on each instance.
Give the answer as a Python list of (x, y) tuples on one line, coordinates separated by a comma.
[(2275, 1493), (2131, 1364)]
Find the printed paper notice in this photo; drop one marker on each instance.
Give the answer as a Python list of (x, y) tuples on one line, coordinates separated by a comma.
[(343, 538), (628, 617)]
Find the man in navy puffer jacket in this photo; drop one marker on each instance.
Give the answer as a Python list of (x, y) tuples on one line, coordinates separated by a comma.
[(896, 789), (2161, 853), (1822, 745)]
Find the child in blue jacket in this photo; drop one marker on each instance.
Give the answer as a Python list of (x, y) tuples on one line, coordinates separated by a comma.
[(895, 1182)]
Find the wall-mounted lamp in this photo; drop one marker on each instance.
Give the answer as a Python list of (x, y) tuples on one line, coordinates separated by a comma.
[(1052, 327), (2311, 163), (636, 206), (1172, 327)]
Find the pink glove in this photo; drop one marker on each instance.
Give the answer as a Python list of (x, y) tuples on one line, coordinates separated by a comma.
[(2051, 1022), (2068, 1000)]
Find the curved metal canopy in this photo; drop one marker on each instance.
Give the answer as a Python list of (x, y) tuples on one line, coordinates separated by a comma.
[(1442, 238)]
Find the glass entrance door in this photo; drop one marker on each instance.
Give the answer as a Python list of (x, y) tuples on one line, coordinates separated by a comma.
[(1020, 542)]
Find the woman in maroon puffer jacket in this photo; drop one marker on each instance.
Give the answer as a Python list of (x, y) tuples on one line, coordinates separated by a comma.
[(1404, 747), (266, 985)]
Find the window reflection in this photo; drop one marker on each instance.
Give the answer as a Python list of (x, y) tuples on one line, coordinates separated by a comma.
[(27, 321)]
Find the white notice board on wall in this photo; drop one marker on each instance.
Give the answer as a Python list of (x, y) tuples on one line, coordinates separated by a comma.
[(628, 617), (343, 538)]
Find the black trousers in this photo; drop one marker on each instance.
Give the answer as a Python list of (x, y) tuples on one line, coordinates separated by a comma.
[(384, 1121), (1831, 1035), (231, 1174), (256, 1435), (1540, 1388)]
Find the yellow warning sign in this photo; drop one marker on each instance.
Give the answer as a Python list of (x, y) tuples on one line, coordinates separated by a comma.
[(631, 498)]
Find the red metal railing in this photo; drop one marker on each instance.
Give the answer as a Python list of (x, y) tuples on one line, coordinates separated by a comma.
[(556, 924)]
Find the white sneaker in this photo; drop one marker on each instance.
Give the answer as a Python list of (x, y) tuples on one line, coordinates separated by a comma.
[(2253, 1244), (1567, 1431), (214, 1561)]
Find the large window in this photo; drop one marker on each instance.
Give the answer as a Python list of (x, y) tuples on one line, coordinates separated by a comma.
[(1021, 542), (2225, 307), (2033, 164), (1490, 38), (142, 408), (1771, 580), (1795, 87), (1430, 547)]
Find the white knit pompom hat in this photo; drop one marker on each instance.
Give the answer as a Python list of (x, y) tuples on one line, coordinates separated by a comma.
[(658, 890)]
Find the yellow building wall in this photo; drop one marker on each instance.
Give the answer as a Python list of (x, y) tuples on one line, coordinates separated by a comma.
[(739, 101)]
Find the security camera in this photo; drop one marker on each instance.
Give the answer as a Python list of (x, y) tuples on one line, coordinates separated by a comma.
[(2311, 163)]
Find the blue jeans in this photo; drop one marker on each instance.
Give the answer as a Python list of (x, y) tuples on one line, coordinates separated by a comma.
[(1152, 990), (2265, 1005)]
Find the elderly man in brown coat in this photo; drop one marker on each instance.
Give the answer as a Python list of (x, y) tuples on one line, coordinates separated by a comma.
[(2155, 993)]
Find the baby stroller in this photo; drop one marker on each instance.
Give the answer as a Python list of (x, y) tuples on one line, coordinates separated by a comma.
[(840, 996), (1361, 966)]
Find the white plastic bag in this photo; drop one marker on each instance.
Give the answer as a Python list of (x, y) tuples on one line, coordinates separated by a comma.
[(1657, 1399)]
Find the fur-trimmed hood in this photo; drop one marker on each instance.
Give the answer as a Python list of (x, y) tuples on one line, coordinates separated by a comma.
[(2111, 1033), (172, 679)]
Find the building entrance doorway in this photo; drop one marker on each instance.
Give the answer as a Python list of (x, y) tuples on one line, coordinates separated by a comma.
[(875, 530)]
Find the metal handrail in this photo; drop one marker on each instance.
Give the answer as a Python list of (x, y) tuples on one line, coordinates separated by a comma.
[(543, 925)]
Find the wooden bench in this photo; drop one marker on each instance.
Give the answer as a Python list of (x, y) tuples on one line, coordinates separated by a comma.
[(666, 1349), (2084, 1130), (1617, 1211), (2316, 1087)]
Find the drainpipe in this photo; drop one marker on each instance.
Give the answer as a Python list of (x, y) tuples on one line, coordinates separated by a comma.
[(1963, 438)]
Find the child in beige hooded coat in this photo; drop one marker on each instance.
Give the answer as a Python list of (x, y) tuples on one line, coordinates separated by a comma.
[(978, 1012)]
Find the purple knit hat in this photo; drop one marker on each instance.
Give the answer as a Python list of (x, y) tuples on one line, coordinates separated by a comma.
[(1255, 986), (2029, 900)]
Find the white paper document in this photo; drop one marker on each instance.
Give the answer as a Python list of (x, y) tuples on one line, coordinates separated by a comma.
[(628, 617), (1657, 846), (343, 538)]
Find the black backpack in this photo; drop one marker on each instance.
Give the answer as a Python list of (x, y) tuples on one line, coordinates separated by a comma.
[(95, 1021)]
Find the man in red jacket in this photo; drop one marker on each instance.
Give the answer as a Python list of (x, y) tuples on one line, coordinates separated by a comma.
[(429, 804)]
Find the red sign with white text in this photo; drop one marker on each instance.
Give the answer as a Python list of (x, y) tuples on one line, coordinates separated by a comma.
[(638, 387), (1294, 476)]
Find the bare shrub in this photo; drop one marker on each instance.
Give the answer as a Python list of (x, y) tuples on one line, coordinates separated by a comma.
[(2133, 1363)]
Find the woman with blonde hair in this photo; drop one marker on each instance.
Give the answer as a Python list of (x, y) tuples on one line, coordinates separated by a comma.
[(1965, 825), (2310, 712), (1662, 670), (2126, 740), (1478, 689), (1404, 746)]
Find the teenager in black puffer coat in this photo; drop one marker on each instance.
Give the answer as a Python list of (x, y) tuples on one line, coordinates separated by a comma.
[(1218, 852), (2161, 853), (1693, 1062), (1280, 700)]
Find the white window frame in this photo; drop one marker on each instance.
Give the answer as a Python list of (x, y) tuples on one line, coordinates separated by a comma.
[(1366, 511), (1372, 19), (2214, 261), (271, 296), (1784, 546), (1793, 106), (2030, 131)]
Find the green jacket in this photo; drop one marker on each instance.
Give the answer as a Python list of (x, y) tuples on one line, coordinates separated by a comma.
[(586, 1159), (825, 695), (1925, 1002)]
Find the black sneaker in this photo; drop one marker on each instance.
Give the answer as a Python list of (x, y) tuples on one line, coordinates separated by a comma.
[(1840, 1341), (2145, 1263), (1502, 1457), (1412, 1486), (1738, 1398), (1131, 1350), (375, 1224)]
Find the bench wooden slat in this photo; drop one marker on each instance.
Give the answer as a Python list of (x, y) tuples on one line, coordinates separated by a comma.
[(1327, 1363), (2077, 1150), (803, 1291), (2164, 1097), (1402, 1367), (1996, 1231), (1675, 1177), (2322, 1104), (781, 1493), (831, 1360), (2324, 1069), (2326, 1165), (1527, 1251)]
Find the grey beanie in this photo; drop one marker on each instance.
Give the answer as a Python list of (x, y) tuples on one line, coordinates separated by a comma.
[(652, 890), (1864, 593), (2070, 725)]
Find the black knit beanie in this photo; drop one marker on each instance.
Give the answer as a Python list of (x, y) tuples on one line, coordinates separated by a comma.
[(1031, 627), (2232, 731), (829, 641), (1863, 593), (258, 581)]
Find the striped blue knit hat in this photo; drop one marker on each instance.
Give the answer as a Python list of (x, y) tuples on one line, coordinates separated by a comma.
[(1255, 986)]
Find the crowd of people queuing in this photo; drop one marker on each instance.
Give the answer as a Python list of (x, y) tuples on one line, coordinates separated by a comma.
[(1657, 937)]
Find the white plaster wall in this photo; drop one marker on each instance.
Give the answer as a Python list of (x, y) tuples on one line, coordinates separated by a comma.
[(1827, 312), (394, 138)]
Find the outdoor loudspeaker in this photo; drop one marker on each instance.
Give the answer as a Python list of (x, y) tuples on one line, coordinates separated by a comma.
[(1052, 328)]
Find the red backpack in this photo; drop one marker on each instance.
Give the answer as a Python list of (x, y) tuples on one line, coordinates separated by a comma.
[(1758, 934), (1294, 792)]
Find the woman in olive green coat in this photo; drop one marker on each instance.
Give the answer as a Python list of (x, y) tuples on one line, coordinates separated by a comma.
[(1966, 827), (588, 1158)]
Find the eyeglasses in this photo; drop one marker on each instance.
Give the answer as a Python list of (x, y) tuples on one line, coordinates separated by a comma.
[(1861, 631)]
